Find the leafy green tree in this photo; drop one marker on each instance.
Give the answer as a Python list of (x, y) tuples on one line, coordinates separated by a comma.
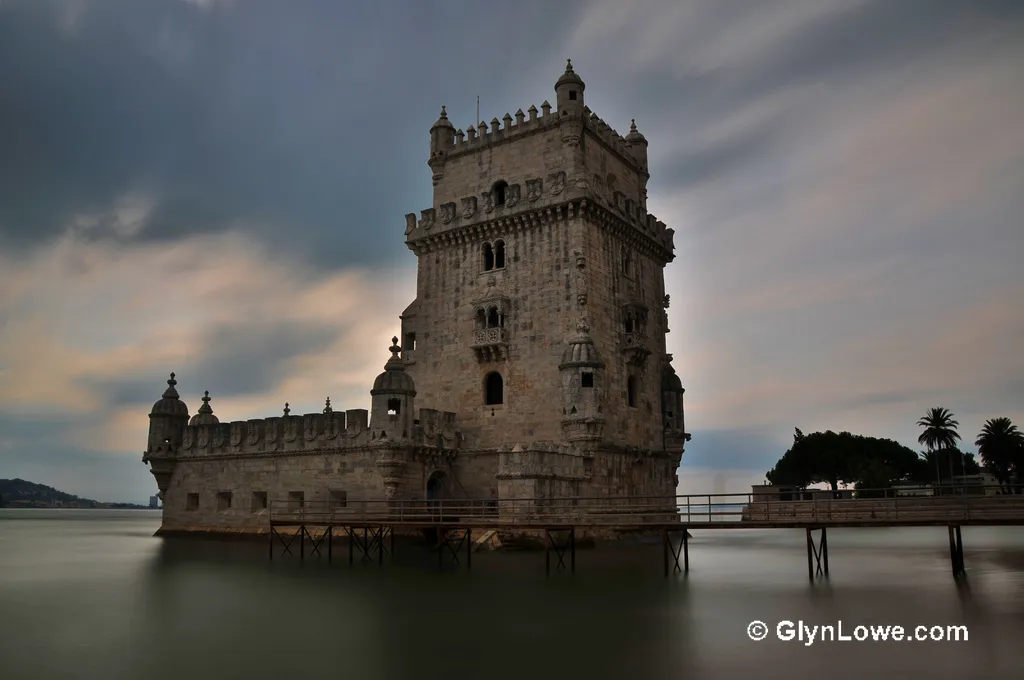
[(844, 458), (1001, 446), (939, 434)]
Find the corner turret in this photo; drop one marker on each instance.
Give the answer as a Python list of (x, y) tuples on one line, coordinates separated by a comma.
[(672, 408), (569, 92), (637, 144), (582, 387), (442, 140), (391, 410), (167, 421), (204, 416)]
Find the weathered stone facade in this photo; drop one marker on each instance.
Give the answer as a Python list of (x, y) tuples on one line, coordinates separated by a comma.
[(536, 339)]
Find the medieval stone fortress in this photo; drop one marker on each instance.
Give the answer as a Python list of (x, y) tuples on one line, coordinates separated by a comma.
[(531, 364)]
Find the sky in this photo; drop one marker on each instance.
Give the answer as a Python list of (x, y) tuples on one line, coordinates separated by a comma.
[(217, 188)]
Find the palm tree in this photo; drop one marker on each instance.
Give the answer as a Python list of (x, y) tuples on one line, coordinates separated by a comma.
[(999, 443), (939, 435)]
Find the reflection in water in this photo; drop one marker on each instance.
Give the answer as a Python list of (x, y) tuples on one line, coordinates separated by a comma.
[(94, 595)]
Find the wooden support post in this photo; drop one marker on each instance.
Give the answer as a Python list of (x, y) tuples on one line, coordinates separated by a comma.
[(380, 548), (351, 546), (440, 548), (686, 551), (469, 549), (960, 552), (810, 555), (271, 542), (664, 549), (824, 547), (572, 547), (547, 552), (392, 544), (330, 541), (302, 543)]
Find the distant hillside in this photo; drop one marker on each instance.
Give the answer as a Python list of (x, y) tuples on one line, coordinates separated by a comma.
[(18, 493)]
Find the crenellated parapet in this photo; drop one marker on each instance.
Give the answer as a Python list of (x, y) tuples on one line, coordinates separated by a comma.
[(296, 433), (564, 462)]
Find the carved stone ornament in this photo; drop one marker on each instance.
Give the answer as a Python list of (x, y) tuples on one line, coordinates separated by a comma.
[(309, 430), (581, 299), (534, 187), (468, 206), (188, 439), (581, 260), (582, 184), (252, 433), (665, 301), (218, 436), (427, 218), (271, 434), (291, 429), (204, 436), (237, 432), (557, 180), (447, 212), (488, 201), (410, 223), (512, 196)]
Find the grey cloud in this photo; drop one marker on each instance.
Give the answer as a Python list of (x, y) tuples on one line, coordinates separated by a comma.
[(736, 449), (305, 122), (236, 359)]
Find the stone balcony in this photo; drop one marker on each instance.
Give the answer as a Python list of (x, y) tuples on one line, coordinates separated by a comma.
[(635, 347), (490, 344)]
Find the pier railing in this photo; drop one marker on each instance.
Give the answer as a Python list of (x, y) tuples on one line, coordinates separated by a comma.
[(864, 506)]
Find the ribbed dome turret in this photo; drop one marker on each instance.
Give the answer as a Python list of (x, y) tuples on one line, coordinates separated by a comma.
[(634, 136), (443, 122), (170, 404), (204, 416), (394, 379), (581, 350), (670, 382), (570, 77)]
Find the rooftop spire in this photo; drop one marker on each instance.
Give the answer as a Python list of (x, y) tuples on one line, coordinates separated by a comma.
[(170, 392), (205, 408), (286, 409), (327, 406)]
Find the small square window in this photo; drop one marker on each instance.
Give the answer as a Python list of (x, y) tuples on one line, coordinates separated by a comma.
[(339, 499), (572, 95), (259, 501), (587, 379), (296, 500), (192, 501), (223, 500), (410, 341)]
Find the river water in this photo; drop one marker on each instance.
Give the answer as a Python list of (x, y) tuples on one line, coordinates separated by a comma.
[(92, 594)]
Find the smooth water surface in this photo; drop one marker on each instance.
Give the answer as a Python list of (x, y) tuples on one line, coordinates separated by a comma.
[(92, 594)]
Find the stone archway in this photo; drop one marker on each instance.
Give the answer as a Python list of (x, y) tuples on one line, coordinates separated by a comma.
[(437, 486)]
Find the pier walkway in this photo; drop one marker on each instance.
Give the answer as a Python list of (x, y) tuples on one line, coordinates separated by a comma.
[(369, 526)]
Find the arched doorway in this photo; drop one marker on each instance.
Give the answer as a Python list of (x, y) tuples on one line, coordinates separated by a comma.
[(436, 491)]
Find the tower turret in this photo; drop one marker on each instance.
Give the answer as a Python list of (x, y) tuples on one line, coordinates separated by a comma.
[(167, 421), (391, 410), (569, 91), (672, 408), (204, 416), (442, 140), (582, 387), (637, 144)]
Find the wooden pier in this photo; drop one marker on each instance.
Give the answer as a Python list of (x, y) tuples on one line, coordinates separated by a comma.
[(369, 526)]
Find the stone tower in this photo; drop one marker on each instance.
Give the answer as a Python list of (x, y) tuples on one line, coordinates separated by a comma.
[(540, 307), (167, 421)]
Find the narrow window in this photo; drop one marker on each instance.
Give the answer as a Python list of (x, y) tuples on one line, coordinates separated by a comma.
[(481, 319), (223, 500), (488, 257), (498, 191), (631, 392), (394, 407), (630, 324), (339, 499), (494, 389), (259, 501), (572, 95), (192, 501), (410, 341), (493, 317), (587, 379), (296, 500), (627, 262), (499, 255)]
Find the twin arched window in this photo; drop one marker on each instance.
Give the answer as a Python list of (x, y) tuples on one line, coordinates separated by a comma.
[(494, 255), (491, 317)]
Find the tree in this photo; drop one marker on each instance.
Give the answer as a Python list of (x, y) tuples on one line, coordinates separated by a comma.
[(1001, 444), (844, 458), (939, 434)]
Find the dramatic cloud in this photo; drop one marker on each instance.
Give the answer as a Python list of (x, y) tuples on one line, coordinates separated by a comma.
[(216, 187)]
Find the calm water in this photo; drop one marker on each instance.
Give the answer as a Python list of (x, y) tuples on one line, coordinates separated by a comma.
[(91, 594)]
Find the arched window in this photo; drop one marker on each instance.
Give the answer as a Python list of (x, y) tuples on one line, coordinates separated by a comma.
[(498, 191), (612, 184), (488, 257), (627, 262), (494, 389), (494, 319), (631, 391), (481, 319), (630, 323), (394, 407), (499, 254)]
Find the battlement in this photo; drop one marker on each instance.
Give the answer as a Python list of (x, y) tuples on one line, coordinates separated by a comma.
[(480, 136), (333, 429)]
